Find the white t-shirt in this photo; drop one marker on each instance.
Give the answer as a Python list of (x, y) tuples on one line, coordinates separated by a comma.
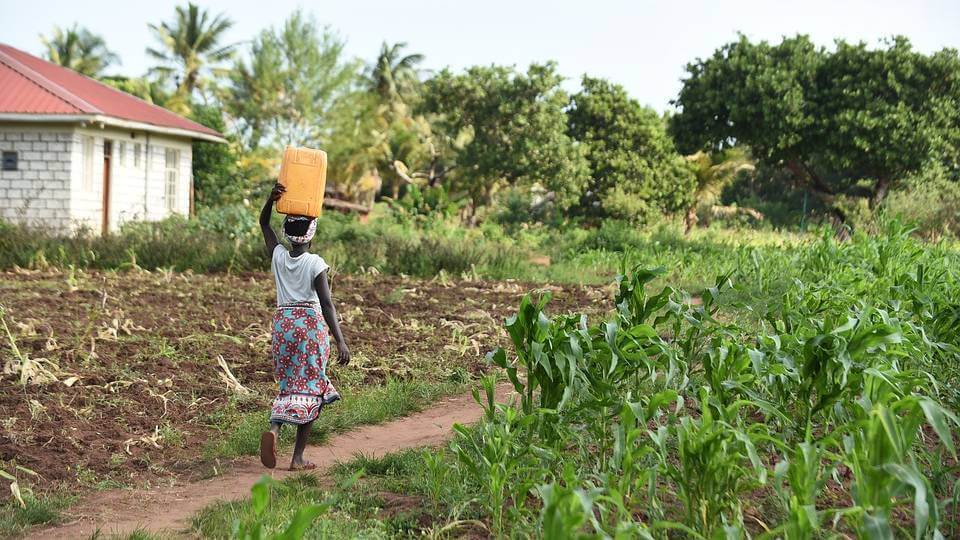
[(294, 276)]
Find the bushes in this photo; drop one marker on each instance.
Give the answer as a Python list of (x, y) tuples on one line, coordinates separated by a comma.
[(228, 239), (932, 204)]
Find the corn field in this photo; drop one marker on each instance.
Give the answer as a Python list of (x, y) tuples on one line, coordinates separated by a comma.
[(827, 413)]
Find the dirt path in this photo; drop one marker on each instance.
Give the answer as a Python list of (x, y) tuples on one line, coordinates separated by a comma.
[(169, 509)]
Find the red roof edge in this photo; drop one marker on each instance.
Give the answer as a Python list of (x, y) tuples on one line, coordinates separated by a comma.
[(110, 102), (47, 85)]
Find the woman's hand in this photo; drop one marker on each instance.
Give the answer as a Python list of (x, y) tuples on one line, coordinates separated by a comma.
[(277, 191), (343, 354)]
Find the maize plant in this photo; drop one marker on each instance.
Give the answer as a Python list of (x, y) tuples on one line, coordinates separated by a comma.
[(667, 419)]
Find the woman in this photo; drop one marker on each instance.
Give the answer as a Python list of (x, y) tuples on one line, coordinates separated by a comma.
[(301, 341)]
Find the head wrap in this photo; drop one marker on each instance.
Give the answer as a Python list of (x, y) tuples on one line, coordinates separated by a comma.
[(307, 236)]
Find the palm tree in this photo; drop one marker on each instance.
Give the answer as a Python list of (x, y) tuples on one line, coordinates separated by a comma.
[(714, 172), (190, 44), (79, 49), (393, 75)]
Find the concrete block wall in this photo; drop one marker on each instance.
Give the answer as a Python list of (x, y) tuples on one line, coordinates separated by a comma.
[(38, 192), (58, 185)]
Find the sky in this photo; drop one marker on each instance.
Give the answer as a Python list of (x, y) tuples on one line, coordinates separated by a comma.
[(642, 45)]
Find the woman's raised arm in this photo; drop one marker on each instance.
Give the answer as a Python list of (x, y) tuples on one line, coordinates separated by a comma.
[(269, 236)]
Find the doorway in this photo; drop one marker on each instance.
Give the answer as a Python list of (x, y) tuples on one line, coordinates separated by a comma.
[(107, 153)]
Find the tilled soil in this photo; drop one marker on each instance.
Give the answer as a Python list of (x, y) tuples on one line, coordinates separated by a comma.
[(128, 384)]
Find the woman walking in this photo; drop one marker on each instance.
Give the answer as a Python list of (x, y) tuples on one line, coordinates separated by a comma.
[(302, 324)]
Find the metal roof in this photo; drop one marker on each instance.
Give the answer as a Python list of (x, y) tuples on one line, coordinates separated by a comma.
[(34, 89)]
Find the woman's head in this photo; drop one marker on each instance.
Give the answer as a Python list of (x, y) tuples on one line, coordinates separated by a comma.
[(299, 229)]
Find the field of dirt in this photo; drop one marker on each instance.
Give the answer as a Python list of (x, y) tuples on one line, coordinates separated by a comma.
[(124, 377)]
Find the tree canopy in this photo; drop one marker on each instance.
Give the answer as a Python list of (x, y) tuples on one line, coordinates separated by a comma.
[(190, 45), (286, 91), (511, 130), (79, 49), (833, 118), (635, 170)]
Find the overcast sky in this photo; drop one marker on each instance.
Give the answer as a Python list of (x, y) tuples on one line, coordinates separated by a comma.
[(642, 45)]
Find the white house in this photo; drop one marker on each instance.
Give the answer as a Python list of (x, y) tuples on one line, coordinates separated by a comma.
[(80, 154)]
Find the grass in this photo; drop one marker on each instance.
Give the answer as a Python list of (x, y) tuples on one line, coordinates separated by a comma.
[(382, 497), (15, 521), (362, 406), (139, 534)]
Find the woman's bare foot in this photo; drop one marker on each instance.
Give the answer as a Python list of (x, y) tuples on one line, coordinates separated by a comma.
[(302, 465)]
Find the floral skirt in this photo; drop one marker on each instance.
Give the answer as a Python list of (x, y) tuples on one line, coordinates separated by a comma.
[(301, 347)]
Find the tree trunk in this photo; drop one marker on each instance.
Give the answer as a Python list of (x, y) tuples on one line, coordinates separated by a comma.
[(805, 175), (690, 220), (823, 192), (880, 190)]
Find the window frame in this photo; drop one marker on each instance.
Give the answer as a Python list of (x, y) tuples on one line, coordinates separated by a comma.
[(10, 156), (87, 150), (171, 177)]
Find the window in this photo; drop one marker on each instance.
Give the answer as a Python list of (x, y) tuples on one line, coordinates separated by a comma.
[(122, 153), (172, 166), (136, 155), (9, 161), (88, 163)]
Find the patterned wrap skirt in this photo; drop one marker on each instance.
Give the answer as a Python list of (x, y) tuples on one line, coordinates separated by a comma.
[(301, 348)]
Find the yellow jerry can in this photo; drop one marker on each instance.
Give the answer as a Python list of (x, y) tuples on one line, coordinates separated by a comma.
[(304, 173)]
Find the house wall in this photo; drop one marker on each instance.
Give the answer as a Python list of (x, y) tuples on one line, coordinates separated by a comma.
[(157, 195), (137, 190), (38, 192), (55, 184)]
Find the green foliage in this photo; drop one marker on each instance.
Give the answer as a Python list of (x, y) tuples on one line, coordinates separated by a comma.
[(144, 88), (260, 501), (887, 112), (510, 128), (931, 202), (632, 434), (295, 74), (426, 203), (15, 520), (393, 75), (80, 50), (713, 172), (215, 178), (635, 171), (754, 94), (832, 117), (190, 49), (265, 514)]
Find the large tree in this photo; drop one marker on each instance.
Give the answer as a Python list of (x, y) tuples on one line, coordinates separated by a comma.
[(510, 129), (635, 170), (190, 46), (78, 49), (285, 93), (833, 118), (887, 112)]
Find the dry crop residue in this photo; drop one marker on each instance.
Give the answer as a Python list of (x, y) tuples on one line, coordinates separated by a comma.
[(131, 359)]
